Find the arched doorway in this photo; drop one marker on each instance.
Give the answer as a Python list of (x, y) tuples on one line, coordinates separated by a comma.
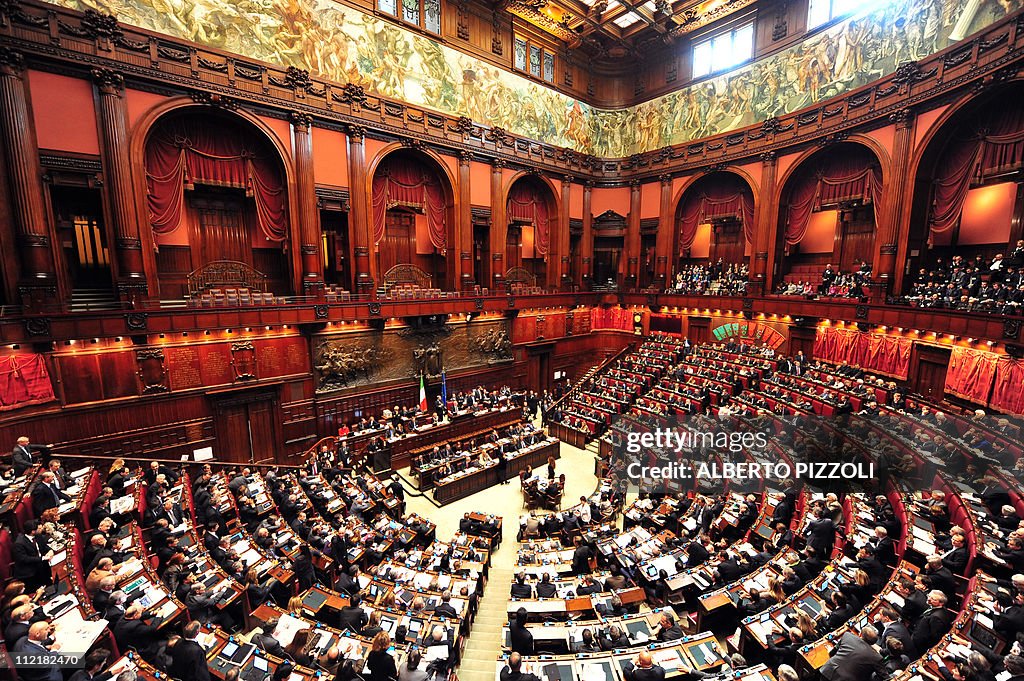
[(968, 196), (413, 221), (714, 227), (532, 229), (827, 218), (218, 207)]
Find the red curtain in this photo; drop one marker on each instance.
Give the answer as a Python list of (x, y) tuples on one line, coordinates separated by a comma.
[(611, 318), (526, 203), (970, 374), (878, 353), (990, 144), (24, 380), (725, 199), (1008, 394), (833, 180), (406, 182), (187, 151)]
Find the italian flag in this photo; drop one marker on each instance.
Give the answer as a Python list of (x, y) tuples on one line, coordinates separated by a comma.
[(423, 394)]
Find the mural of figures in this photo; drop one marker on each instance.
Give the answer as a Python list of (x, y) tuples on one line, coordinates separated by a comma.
[(346, 45)]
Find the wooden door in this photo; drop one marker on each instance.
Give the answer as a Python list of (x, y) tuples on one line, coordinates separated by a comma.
[(222, 232), (399, 244), (246, 427), (856, 236), (233, 439), (728, 242), (928, 367)]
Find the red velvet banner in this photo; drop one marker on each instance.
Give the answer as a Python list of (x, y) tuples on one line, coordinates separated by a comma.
[(889, 355), (970, 374), (1008, 393), (724, 198), (24, 380), (616, 318), (832, 180)]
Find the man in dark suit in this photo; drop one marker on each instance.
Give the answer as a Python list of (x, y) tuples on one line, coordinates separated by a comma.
[(31, 562), (941, 577), (521, 638), (885, 547), (854, 658), (35, 643), (352, 616), (934, 623), (188, 659), (22, 455), (514, 670), (46, 494), (955, 560), (821, 535), (643, 669), (21, 620), (889, 626), (132, 631), (265, 640), (94, 664), (581, 557), (1010, 621), (520, 589), (445, 607)]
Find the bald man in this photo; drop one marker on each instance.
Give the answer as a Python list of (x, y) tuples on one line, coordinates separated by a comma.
[(38, 642), (516, 671), (643, 669)]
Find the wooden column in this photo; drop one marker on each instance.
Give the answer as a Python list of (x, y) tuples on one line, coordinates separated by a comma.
[(308, 215), (894, 195), (564, 280), (763, 260), (129, 270), (465, 224), (633, 237), (587, 240), (359, 215), (666, 230), (499, 227), (38, 282)]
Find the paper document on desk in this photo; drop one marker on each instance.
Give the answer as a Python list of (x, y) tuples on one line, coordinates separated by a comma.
[(287, 627), (668, 659)]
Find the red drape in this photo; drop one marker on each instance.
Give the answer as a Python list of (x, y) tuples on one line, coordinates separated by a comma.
[(185, 151), (24, 380), (878, 353), (833, 180), (990, 144), (611, 318), (1008, 393), (727, 199), (970, 374), (406, 182), (527, 204)]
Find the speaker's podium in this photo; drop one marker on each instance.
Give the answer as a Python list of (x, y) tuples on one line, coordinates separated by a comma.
[(381, 462)]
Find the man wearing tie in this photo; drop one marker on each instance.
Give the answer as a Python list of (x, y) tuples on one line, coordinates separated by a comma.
[(30, 564), (22, 457), (46, 495)]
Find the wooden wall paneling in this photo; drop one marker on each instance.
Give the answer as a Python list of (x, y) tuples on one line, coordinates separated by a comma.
[(928, 364)]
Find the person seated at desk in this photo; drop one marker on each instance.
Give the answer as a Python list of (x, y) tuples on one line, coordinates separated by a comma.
[(546, 589), (614, 638), (265, 641), (841, 611), (514, 670), (520, 589), (132, 631), (445, 607), (754, 603), (854, 657), (587, 643), (940, 576), (643, 669), (667, 629), (352, 616)]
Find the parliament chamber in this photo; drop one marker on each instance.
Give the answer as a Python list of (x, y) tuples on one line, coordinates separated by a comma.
[(531, 340)]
